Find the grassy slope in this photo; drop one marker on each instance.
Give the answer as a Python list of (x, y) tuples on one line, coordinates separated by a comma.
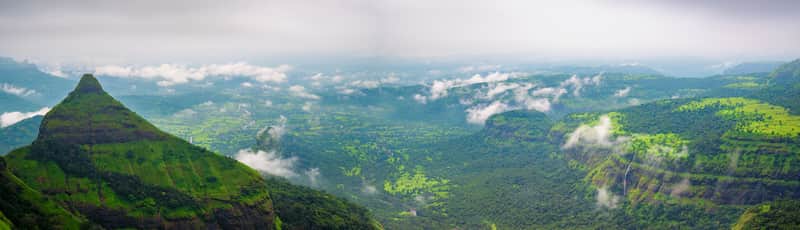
[(21, 206), (105, 161)]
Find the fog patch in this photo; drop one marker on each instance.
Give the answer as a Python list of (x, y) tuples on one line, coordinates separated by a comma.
[(10, 118), (185, 113), (598, 135), (606, 199), (681, 188), (300, 91), (555, 93), (313, 176), (420, 99), (623, 92), (268, 162), (578, 83), (368, 189), (479, 114), (634, 102), (275, 132)]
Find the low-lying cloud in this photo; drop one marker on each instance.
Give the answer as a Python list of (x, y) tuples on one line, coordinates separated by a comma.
[(550, 91), (578, 83), (301, 92), (606, 199), (10, 118), (314, 176), (170, 74), (598, 135), (15, 90), (439, 88), (268, 162), (478, 115), (623, 92)]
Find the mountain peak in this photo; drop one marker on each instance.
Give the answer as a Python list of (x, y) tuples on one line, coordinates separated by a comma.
[(89, 115), (89, 84)]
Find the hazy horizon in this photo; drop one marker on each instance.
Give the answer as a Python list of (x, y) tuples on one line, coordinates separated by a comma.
[(190, 32)]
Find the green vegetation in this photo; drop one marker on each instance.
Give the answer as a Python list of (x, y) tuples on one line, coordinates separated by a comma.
[(721, 145), (116, 169), (305, 208), (782, 214), (23, 207), (753, 116)]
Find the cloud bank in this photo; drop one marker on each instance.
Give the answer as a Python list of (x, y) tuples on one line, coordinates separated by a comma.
[(10, 118), (170, 74)]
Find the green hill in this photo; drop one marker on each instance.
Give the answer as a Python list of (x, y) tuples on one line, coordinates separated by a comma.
[(784, 87), (23, 207), (98, 158), (113, 168)]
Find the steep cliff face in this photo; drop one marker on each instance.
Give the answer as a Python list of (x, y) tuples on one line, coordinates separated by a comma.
[(103, 161)]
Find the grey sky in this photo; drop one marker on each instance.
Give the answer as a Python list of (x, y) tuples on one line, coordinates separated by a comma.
[(108, 31)]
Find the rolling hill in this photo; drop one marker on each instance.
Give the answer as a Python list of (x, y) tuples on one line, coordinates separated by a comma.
[(110, 167)]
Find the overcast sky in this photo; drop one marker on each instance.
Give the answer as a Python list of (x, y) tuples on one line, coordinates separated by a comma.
[(198, 31)]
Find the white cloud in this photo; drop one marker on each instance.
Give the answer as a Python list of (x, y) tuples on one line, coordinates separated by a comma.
[(606, 199), (365, 83), (10, 118), (300, 91), (578, 83), (247, 84), (276, 131), (19, 91), (268, 162), (317, 77), (420, 99), (496, 89), (549, 91), (598, 135), (169, 74), (623, 92), (439, 88), (479, 114), (539, 104)]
